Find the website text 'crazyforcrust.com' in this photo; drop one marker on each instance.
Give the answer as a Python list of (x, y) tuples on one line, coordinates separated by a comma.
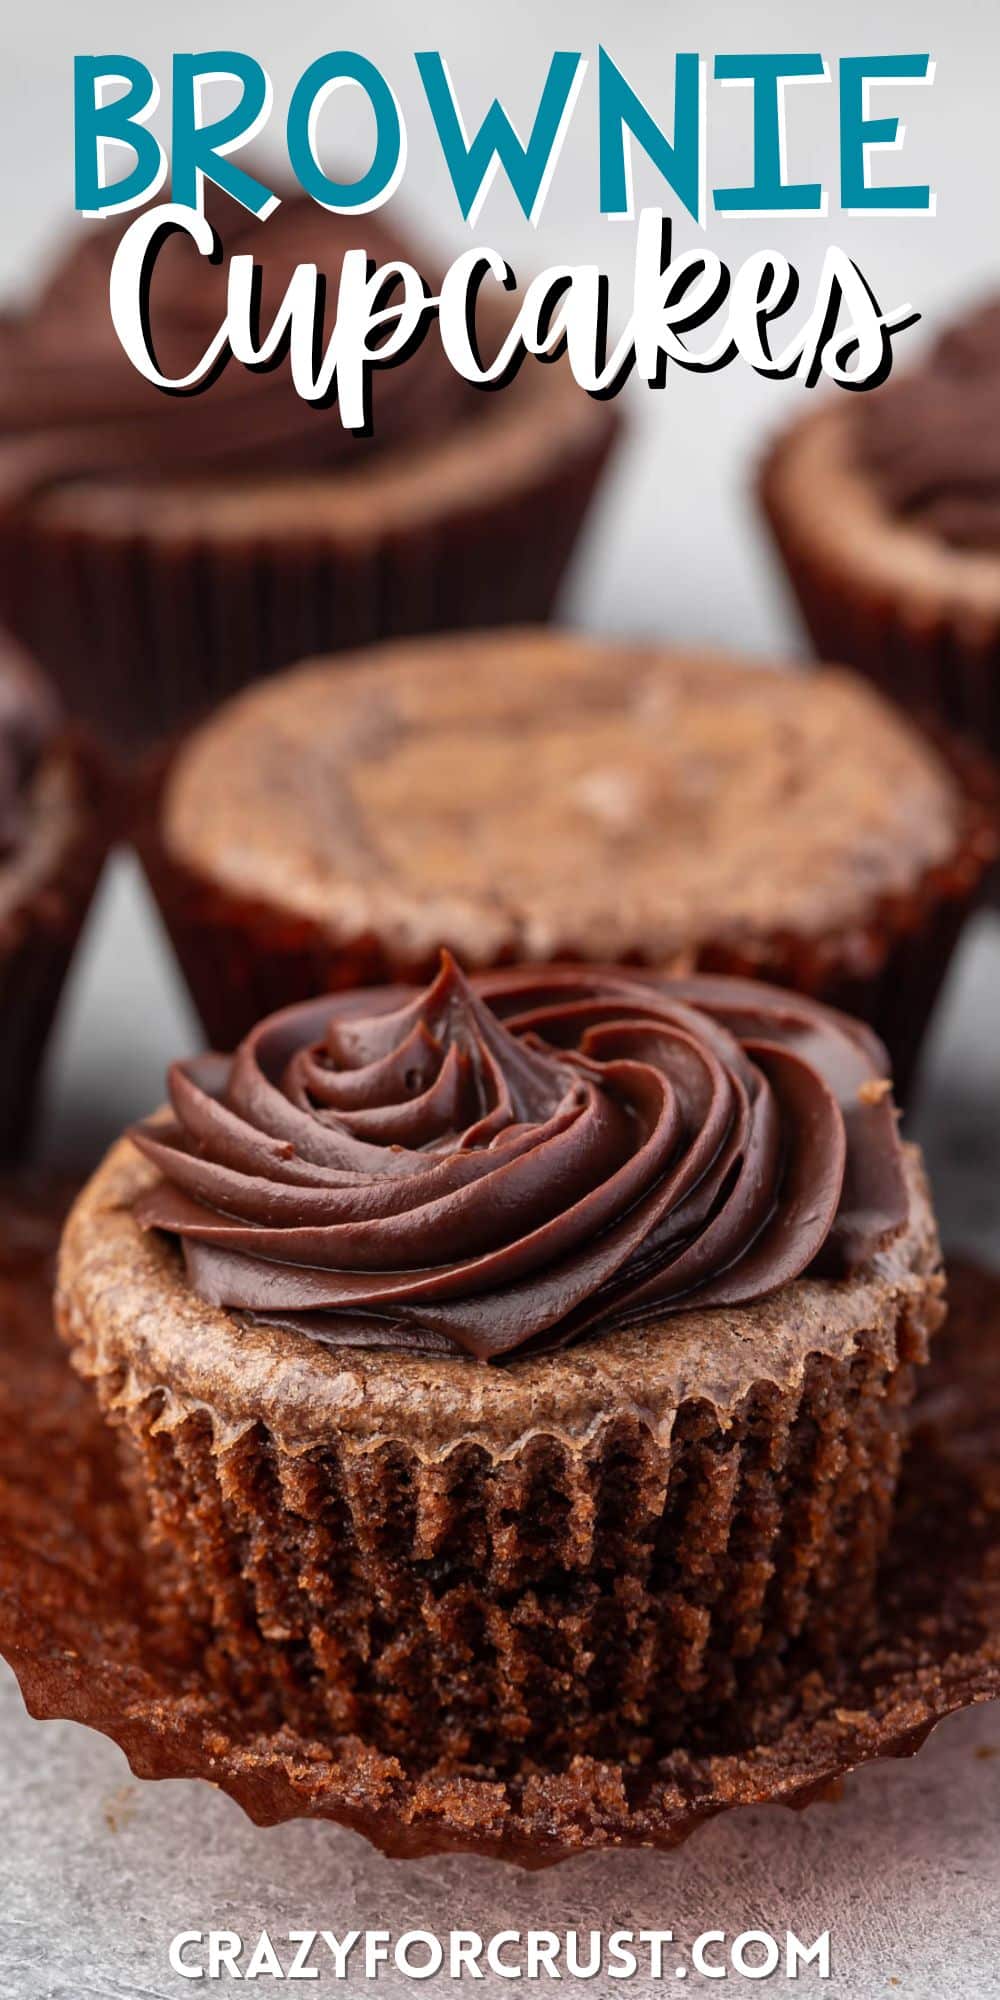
[(505, 1954)]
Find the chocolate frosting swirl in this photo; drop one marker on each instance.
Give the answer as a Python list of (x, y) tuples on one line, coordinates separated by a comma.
[(525, 1156), (932, 438), (73, 407)]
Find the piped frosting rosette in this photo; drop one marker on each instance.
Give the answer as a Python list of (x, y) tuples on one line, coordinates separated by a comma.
[(524, 1157)]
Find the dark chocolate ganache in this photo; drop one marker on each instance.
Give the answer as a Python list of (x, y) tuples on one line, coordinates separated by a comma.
[(73, 407), (524, 1157), (932, 437), (27, 721)]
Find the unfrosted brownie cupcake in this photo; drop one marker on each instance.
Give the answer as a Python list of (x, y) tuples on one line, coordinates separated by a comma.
[(886, 510), (158, 551), (537, 796), (676, 1220), (55, 826)]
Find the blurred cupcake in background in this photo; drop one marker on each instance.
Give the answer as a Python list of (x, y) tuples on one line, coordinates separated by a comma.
[(158, 551), (55, 827), (886, 510), (535, 796)]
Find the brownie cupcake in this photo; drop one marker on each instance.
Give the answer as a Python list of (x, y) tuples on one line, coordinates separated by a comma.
[(886, 510), (55, 826), (159, 551), (536, 796), (675, 1219)]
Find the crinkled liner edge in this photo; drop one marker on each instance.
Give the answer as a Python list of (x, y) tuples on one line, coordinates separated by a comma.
[(90, 1358)]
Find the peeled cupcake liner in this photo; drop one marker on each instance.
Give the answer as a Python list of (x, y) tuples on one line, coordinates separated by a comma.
[(475, 1609), (97, 1630), (144, 632), (606, 1553), (38, 938), (243, 958)]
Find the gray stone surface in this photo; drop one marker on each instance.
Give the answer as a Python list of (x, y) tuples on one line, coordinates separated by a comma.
[(99, 1872)]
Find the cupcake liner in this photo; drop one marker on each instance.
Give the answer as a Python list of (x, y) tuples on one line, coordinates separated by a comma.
[(92, 1628), (614, 1601), (145, 630), (243, 958), (479, 1570), (939, 658), (940, 661), (38, 936)]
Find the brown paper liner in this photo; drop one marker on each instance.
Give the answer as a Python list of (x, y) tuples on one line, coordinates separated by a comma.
[(242, 958), (940, 665), (38, 936), (83, 1621), (485, 1609), (144, 632)]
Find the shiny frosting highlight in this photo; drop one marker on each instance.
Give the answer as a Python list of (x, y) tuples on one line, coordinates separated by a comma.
[(73, 407), (525, 1156), (932, 438)]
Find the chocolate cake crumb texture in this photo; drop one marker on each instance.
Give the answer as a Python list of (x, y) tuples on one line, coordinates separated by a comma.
[(95, 1634)]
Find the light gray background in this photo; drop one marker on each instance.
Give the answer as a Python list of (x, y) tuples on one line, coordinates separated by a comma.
[(97, 1871)]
